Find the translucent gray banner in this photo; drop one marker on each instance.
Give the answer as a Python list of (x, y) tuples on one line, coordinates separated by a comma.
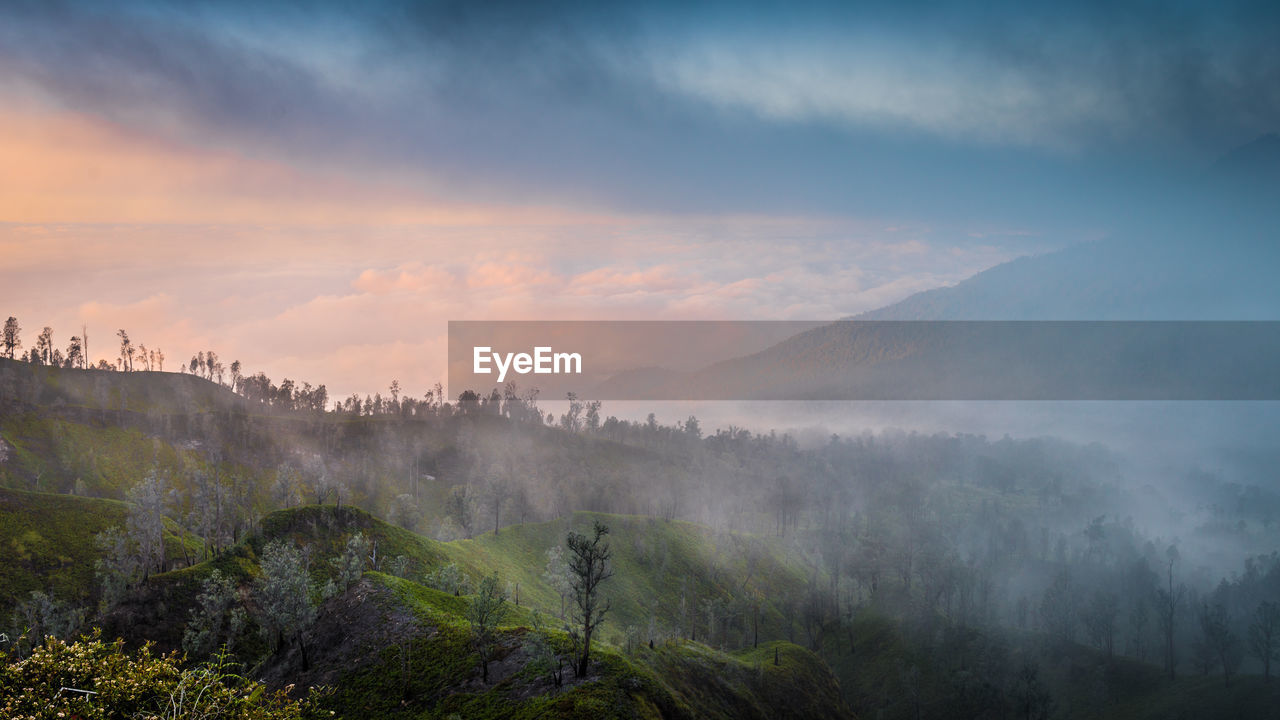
[(869, 360)]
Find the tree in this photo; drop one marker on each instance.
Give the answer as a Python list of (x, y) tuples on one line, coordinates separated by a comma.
[(404, 512), (216, 620), (12, 337), (145, 522), (126, 351), (284, 596), (44, 345), (1264, 635), (459, 508), (1031, 699), (447, 578), (41, 616), (284, 489), (487, 610), (589, 565), (559, 577), (572, 419), (545, 657), (351, 563), (1167, 602), (1100, 620), (213, 367), (118, 568), (496, 492), (210, 514), (593, 416), (1215, 629), (75, 353), (1058, 607)]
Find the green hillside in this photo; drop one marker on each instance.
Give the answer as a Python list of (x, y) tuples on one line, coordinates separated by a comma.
[(886, 575), (658, 562), (439, 678), (164, 393), (47, 545), (364, 637)]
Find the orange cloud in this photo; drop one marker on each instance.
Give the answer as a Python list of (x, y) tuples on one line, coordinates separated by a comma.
[(414, 277), (63, 167)]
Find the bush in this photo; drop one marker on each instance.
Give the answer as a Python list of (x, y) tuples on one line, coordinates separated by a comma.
[(96, 680)]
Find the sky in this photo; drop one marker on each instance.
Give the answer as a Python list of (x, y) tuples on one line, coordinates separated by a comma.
[(315, 189)]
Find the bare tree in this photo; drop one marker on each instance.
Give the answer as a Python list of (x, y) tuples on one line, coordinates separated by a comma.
[(589, 565), (1058, 612), (1215, 626), (496, 492), (1100, 620), (1167, 602), (1031, 699), (126, 351), (1264, 635)]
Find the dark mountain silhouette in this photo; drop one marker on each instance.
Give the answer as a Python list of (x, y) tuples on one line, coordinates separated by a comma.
[(1206, 253)]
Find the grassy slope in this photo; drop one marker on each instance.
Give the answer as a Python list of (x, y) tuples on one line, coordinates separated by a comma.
[(62, 429), (51, 455), (47, 544), (655, 563), (164, 392), (677, 679)]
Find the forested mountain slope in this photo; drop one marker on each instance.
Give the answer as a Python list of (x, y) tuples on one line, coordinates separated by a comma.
[(947, 575)]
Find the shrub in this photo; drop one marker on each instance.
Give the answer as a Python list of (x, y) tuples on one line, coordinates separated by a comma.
[(96, 680)]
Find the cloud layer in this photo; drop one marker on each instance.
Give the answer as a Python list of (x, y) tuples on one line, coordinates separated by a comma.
[(669, 108), (358, 307), (316, 188)]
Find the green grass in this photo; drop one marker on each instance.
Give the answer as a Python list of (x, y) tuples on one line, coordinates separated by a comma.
[(56, 455), (137, 392), (676, 679), (656, 562), (47, 544)]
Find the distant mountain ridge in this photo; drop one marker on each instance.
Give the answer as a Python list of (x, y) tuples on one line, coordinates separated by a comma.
[(1207, 253)]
